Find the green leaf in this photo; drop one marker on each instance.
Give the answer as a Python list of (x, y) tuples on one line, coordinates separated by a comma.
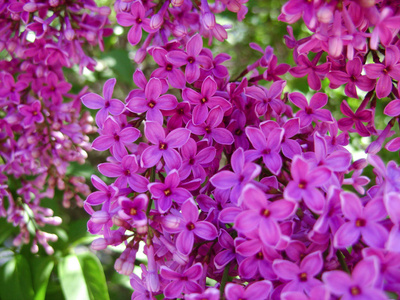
[(6, 229), (82, 277), (15, 280), (94, 276), (41, 270), (72, 280)]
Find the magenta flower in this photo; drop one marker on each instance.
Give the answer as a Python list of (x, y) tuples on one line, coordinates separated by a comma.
[(190, 226), (267, 148), (385, 72), (228, 253), (352, 77), (54, 89), (106, 104), (152, 103), (191, 58), (259, 290), (306, 67), (360, 285), (209, 129), (163, 145), (319, 292), (290, 147), (185, 282), (362, 221), (357, 118), (305, 183), (175, 76), (267, 98), (383, 28), (313, 111), (204, 100), (134, 209), (126, 173), (168, 191), (301, 278), (242, 174), (263, 215), (104, 193), (32, 113), (137, 19), (113, 137), (10, 89), (195, 162)]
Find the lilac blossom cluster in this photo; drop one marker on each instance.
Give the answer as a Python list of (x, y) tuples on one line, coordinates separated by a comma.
[(42, 129), (222, 180)]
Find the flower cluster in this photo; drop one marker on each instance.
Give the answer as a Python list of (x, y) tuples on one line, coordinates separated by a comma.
[(42, 129), (221, 179)]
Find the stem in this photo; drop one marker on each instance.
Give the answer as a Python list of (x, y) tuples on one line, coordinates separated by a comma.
[(343, 264), (152, 179), (224, 280)]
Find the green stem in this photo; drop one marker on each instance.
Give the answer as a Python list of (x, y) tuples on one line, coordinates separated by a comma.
[(152, 179), (224, 280), (343, 264)]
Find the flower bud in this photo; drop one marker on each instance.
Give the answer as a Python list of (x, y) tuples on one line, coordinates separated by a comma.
[(177, 3), (179, 31), (104, 11), (53, 3), (325, 15), (156, 21), (30, 7), (99, 244), (208, 21)]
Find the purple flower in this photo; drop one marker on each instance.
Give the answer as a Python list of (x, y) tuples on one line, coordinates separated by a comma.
[(152, 103), (259, 290), (301, 278), (10, 89), (361, 283), (242, 174), (385, 72), (305, 183), (195, 162), (317, 293), (32, 113), (290, 147), (168, 191), (126, 173), (313, 111), (113, 137), (268, 148), (134, 209), (204, 100), (163, 145), (137, 19), (105, 103), (190, 226), (191, 58), (185, 282), (263, 215), (209, 129), (228, 253), (54, 89), (105, 193), (362, 221), (361, 115), (352, 77)]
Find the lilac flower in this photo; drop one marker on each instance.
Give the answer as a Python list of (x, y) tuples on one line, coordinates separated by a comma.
[(305, 183), (137, 19), (385, 72), (105, 103), (185, 282), (126, 173), (267, 148), (205, 99), (163, 145), (190, 226), (152, 103), (191, 58), (357, 118), (105, 193), (193, 161), (263, 215), (167, 69), (361, 283), (10, 89), (181, 114), (237, 128), (242, 174), (208, 294), (209, 129), (134, 210), (168, 191), (313, 111), (393, 108), (306, 67), (317, 293), (32, 113), (54, 89), (113, 137), (383, 28), (362, 221), (225, 256), (267, 98), (352, 77), (258, 291), (301, 278), (290, 147)]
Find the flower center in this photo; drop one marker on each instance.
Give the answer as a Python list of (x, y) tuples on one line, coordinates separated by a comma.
[(127, 172), (191, 60), (168, 67), (167, 192), (190, 226), (303, 277), (162, 146), (207, 129), (116, 137), (203, 100), (151, 104), (35, 113), (133, 211), (355, 290), (302, 184), (260, 255), (266, 212), (360, 223), (139, 20), (238, 132)]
